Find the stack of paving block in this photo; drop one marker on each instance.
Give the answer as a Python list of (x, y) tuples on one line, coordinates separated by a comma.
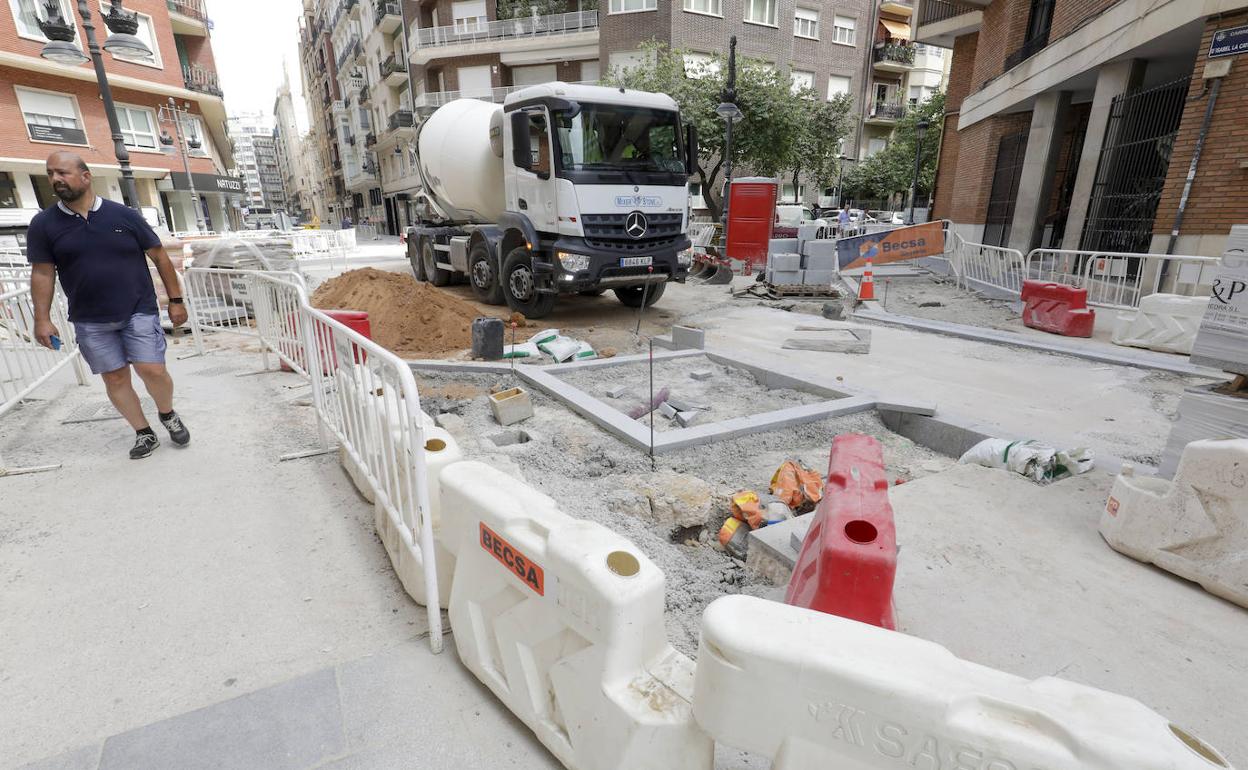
[(807, 260), (276, 253)]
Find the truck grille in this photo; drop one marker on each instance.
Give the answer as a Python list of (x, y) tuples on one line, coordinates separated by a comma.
[(606, 231)]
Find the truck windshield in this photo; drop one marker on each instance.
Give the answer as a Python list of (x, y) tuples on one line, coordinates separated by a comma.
[(604, 137)]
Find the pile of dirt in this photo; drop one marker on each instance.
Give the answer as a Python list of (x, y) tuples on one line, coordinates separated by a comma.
[(410, 318)]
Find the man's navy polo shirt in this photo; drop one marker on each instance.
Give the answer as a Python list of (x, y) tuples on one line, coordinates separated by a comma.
[(101, 260)]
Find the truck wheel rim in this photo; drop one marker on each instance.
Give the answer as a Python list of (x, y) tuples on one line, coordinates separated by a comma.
[(521, 281), (482, 276)]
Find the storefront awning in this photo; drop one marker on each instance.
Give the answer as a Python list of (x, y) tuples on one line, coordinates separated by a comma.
[(898, 30)]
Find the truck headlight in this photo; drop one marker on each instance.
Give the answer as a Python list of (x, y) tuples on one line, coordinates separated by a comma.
[(685, 258), (573, 263)]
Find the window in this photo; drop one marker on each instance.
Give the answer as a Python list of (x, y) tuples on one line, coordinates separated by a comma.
[(138, 127), (590, 71), (806, 23), (843, 30), (787, 196), (625, 61), (473, 81), (696, 201), (916, 95), (761, 12), (613, 137), (631, 6), (710, 7), (147, 34), (837, 84), (51, 117), (875, 145), (28, 22), (802, 81), (534, 75), (700, 65), (469, 15)]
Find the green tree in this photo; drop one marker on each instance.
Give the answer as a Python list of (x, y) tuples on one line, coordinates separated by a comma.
[(891, 170), (765, 137), (821, 126)]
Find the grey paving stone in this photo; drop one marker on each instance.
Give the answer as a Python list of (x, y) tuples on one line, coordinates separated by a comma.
[(84, 758), (292, 725)]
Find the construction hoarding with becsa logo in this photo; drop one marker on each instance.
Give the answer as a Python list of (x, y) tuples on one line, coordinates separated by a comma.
[(914, 242)]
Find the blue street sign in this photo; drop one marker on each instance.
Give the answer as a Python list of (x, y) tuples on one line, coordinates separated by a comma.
[(1229, 42)]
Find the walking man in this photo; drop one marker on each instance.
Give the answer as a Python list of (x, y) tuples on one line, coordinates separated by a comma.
[(100, 250)]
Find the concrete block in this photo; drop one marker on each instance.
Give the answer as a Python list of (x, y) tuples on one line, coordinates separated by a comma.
[(844, 341), (667, 410), (511, 406), (687, 418), (688, 338), (771, 552), (833, 311), (782, 246), (821, 278), (785, 278), (809, 232), (820, 262), (615, 391), (702, 374), (1203, 414), (820, 248), (682, 405), (784, 262)]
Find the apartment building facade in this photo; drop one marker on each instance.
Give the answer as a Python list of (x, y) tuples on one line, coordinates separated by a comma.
[(246, 129), (317, 58), (50, 106), (1074, 123), (291, 163)]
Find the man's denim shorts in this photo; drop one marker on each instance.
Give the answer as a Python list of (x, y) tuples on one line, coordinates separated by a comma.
[(110, 346)]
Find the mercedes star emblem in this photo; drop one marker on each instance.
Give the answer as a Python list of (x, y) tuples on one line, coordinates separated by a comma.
[(635, 225)]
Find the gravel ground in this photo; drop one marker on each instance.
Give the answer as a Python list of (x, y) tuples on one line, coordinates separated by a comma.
[(937, 298), (592, 475), (729, 392)]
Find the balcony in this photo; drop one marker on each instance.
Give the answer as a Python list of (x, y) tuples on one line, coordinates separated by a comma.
[(201, 79), (370, 140), (886, 113), (366, 94), (1028, 49), (389, 16), (578, 28), (400, 119), (428, 102), (349, 52), (894, 57), (897, 7), (394, 70), (940, 21), (188, 17)]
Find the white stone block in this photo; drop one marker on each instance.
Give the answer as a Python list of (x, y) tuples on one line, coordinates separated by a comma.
[(784, 262)]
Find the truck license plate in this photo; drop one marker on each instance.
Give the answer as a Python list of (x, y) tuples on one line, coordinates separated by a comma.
[(636, 261)]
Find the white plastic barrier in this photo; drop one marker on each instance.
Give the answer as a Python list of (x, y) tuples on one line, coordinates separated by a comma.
[(1194, 526), (814, 691), (1121, 279), (24, 363), (1164, 322), (563, 620)]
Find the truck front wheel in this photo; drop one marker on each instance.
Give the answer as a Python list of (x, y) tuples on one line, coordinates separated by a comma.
[(429, 261), (484, 276), (633, 296), (519, 285)]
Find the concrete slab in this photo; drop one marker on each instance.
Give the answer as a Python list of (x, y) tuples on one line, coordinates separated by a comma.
[(84, 758), (290, 726)]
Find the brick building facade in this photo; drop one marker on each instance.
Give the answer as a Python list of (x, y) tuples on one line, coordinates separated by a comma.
[(1073, 123), (51, 106)]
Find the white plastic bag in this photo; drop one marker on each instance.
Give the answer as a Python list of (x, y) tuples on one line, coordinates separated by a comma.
[(522, 350), (1042, 464), (584, 351), (544, 336), (560, 348)]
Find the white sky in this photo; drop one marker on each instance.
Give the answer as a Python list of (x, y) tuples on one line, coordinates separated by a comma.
[(250, 39)]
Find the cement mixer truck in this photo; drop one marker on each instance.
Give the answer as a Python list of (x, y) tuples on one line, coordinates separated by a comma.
[(561, 189)]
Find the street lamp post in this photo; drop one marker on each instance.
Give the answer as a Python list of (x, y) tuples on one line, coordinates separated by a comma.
[(61, 48), (920, 129), (172, 113), (731, 113), (840, 178)]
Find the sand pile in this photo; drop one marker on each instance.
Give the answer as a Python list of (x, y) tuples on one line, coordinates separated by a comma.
[(410, 318)]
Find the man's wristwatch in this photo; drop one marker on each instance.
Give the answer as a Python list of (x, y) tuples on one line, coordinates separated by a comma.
[(175, 300)]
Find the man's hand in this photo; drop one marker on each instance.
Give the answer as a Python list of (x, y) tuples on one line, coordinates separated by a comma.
[(177, 313), (44, 330)]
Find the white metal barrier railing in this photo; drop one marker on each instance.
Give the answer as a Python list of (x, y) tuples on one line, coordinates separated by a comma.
[(220, 300), (24, 363), (991, 265), (366, 399), (1119, 279)]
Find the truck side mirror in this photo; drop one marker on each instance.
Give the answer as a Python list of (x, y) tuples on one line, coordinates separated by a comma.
[(521, 147), (691, 149)]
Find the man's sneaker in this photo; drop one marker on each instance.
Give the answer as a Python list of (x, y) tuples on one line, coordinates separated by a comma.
[(144, 445), (177, 431)]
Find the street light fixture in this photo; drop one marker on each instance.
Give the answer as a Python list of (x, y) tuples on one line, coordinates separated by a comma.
[(731, 113), (62, 48), (920, 129)]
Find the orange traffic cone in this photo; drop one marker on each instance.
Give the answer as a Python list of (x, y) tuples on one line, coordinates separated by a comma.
[(866, 289)]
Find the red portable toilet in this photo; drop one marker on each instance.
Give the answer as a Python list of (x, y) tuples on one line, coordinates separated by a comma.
[(751, 216)]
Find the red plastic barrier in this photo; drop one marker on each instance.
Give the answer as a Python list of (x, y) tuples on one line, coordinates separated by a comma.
[(849, 558), (355, 320), (1057, 308)]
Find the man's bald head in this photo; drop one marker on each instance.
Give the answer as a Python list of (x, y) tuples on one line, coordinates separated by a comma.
[(69, 175)]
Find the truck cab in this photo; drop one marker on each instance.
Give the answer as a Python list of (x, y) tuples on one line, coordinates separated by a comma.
[(594, 197)]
